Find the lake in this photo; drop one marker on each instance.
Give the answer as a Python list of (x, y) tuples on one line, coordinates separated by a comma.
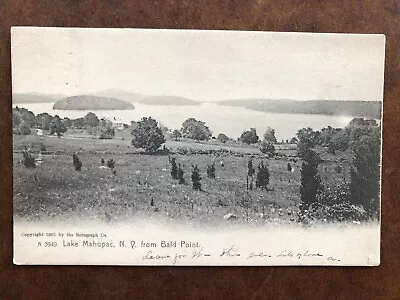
[(231, 120)]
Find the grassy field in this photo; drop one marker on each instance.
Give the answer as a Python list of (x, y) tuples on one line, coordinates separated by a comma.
[(54, 190)]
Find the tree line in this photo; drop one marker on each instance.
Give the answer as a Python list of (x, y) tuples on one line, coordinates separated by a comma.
[(147, 133), (25, 120), (362, 139)]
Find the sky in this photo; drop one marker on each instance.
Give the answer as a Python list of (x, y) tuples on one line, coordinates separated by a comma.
[(200, 65)]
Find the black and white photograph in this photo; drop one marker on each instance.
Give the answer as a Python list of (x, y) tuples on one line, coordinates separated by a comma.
[(196, 147)]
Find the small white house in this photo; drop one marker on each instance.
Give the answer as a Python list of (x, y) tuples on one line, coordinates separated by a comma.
[(119, 126)]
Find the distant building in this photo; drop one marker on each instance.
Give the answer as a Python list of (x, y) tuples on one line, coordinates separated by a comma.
[(119, 126)]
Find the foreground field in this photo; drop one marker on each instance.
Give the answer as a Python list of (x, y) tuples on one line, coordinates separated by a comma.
[(143, 188)]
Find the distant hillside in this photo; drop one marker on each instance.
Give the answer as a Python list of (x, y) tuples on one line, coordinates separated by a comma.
[(90, 102), (35, 98), (369, 109), (151, 100)]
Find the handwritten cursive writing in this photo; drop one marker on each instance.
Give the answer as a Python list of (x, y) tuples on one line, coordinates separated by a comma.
[(261, 254), (150, 256), (229, 252), (199, 253), (308, 254)]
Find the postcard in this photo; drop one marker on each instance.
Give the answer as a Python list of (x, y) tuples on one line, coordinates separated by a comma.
[(196, 147)]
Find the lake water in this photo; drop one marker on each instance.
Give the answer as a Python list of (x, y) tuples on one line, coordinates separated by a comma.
[(230, 120)]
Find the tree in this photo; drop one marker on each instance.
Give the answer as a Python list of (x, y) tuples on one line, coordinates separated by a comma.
[(28, 160), (249, 136), (176, 134), (269, 135), (326, 135), (57, 126), (147, 135), (24, 128), (223, 138), (196, 130), (211, 171), (307, 140), (91, 120), (262, 179), (76, 162), (174, 169), (310, 180), (250, 173), (180, 175), (267, 148), (339, 141), (43, 121), (289, 167), (357, 122), (26, 116), (196, 178), (67, 122), (365, 172), (294, 140), (107, 130), (78, 123), (104, 122), (17, 119)]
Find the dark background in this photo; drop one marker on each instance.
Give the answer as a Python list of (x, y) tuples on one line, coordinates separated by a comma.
[(74, 282)]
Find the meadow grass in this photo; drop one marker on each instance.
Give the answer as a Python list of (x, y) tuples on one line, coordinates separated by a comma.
[(143, 187)]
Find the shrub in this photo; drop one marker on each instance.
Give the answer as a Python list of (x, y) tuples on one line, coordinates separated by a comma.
[(76, 162), (111, 163), (180, 175), (310, 180), (262, 179), (250, 169), (107, 133), (56, 126), (211, 171), (250, 173), (28, 160), (196, 178), (174, 169), (223, 138), (267, 148)]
